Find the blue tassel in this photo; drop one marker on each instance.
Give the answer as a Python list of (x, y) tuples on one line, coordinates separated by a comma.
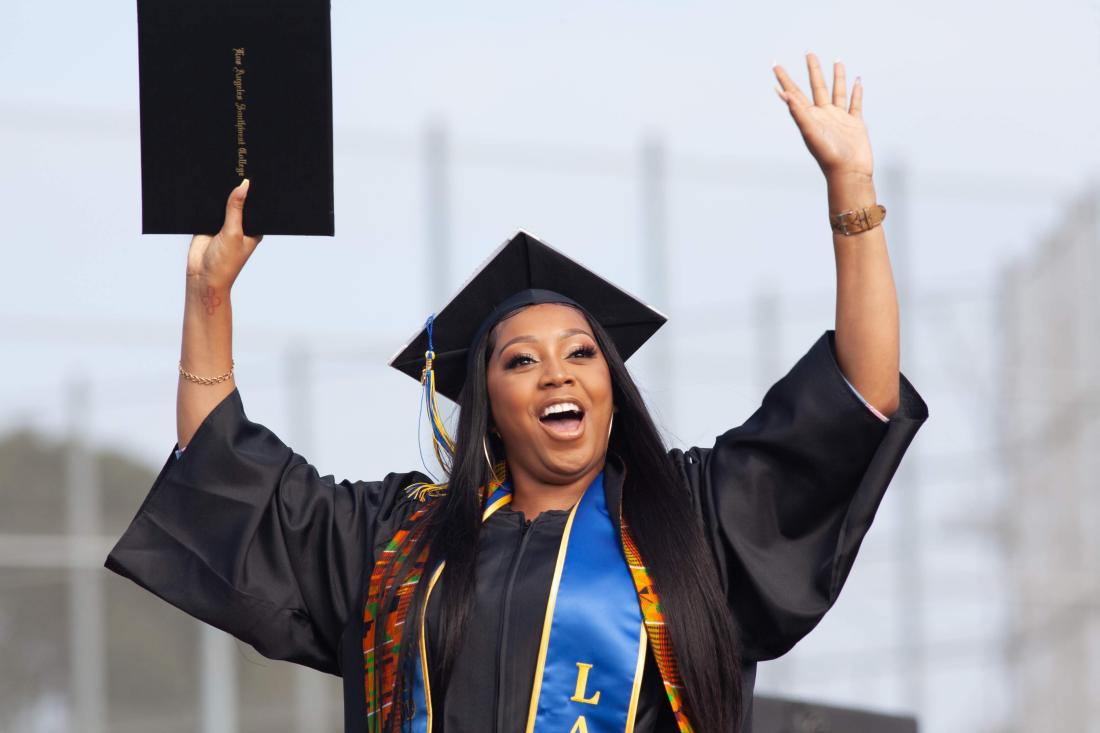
[(441, 440)]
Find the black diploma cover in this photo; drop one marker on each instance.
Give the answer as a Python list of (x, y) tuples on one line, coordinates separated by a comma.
[(234, 89)]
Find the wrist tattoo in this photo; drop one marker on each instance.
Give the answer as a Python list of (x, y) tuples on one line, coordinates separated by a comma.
[(211, 300)]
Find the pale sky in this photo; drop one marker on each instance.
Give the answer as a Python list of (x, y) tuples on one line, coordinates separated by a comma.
[(989, 107)]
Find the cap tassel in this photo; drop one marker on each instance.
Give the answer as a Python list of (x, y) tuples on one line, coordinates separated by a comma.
[(441, 439), (442, 443)]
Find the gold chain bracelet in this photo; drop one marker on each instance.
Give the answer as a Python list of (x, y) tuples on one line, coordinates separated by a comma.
[(207, 380)]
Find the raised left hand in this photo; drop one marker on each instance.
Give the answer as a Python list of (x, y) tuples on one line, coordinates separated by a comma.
[(831, 126)]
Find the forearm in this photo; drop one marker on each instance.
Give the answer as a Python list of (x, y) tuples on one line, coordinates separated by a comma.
[(206, 351), (867, 330)]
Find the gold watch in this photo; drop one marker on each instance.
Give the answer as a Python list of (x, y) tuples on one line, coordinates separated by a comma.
[(857, 220)]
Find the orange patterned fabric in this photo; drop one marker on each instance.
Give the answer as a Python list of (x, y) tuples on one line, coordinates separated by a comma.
[(655, 630), (381, 674)]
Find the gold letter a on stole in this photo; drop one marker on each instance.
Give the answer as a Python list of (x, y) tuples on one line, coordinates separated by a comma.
[(582, 683), (580, 726)]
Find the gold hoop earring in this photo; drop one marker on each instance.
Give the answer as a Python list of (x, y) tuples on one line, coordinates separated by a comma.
[(488, 460)]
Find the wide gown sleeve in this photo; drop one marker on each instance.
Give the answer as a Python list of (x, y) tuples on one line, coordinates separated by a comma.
[(241, 532), (787, 497)]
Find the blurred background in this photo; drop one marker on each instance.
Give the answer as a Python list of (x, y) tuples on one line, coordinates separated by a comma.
[(645, 140)]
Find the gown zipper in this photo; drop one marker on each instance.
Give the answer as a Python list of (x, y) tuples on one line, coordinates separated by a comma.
[(502, 653)]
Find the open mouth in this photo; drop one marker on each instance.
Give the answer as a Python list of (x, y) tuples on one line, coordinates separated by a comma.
[(563, 418)]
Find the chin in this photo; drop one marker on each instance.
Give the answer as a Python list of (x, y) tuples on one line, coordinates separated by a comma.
[(570, 463)]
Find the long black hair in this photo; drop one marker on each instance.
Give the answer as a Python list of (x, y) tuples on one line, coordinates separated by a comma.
[(658, 509)]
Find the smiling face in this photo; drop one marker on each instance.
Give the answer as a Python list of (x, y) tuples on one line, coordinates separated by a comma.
[(550, 393)]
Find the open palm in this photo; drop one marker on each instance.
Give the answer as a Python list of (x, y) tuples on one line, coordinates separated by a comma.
[(831, 125)]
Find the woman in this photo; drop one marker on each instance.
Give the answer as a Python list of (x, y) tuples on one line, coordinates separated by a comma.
[(572, 574)]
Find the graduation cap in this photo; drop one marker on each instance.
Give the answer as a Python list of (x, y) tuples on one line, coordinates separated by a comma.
[(233, 89), (522, 271)]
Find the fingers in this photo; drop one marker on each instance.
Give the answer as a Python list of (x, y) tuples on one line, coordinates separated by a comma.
[(817, 80), (856, 107), (840, 87), (797, 101), (790, 92), (234, 210)]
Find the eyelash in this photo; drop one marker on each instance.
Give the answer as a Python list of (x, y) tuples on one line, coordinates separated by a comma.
[(585, 351)]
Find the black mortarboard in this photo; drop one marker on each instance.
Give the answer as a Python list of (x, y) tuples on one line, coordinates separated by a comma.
[(233, 89), (520, 272)]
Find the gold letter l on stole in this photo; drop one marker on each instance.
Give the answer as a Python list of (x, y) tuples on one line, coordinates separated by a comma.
[(582, 683), (580, 726)]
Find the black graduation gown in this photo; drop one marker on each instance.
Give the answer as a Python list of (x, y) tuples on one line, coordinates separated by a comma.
[(244, 534)]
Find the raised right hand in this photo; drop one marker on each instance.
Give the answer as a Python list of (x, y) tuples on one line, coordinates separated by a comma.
[(217, 260)]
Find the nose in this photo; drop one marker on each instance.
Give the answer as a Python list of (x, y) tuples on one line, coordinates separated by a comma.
[(556, 373)]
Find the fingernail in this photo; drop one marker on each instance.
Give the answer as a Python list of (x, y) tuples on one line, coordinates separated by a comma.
[(780, 93), (836, 61), (859, 80), (774, 64), (243, 184)]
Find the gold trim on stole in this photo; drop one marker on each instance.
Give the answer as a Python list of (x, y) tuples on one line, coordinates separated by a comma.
[(506, 499), (424, 645), (548, 620), (639, 670)]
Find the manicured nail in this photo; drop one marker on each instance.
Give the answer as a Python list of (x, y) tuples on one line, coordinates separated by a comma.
[(781, 94), (836, 61), (243, 184), (774, 64), (859, 80)]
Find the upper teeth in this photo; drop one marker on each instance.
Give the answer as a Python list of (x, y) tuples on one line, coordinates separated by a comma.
[(560, 407)]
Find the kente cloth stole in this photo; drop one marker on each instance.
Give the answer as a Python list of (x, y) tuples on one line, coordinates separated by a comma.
[(380, 696), (602, 613)]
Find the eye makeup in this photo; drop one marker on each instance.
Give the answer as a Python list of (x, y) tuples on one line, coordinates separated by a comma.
[(586, 351)]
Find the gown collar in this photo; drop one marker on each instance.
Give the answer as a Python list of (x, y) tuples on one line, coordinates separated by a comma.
[(614, 475)]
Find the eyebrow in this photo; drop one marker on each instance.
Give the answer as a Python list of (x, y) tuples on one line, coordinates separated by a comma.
[(531, 339)]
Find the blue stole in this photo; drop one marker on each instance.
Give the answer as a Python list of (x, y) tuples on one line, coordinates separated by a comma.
[(592, 655)]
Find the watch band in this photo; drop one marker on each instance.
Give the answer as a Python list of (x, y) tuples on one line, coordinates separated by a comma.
[(857, 220)]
